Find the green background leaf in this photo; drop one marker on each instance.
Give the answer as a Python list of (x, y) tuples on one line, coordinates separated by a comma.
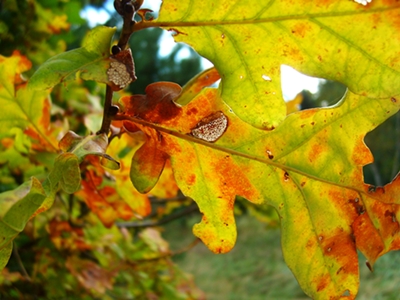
[(15, 219), (5, 254)]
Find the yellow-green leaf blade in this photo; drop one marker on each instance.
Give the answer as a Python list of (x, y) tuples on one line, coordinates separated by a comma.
[(5, 254), (91, 60), (309, 169), (22, 107), (341, 40), (15, 217)]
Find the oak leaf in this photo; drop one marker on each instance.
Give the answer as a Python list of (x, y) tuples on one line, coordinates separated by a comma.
[(23, 108), (91, 61), (309, 168), (248, 43)]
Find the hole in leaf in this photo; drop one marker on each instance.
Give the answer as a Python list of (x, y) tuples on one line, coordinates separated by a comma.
[(309, 92), (346, 293), (384, 143)]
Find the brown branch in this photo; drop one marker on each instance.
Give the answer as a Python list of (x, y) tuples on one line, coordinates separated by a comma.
[(127, 10), (107, 117), (171, 253), (150, 223), (165, 200)]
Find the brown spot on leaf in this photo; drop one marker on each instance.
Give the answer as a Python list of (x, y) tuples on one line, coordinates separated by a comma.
[(269, 153), (300, 29), (315, 152), (323, 282), (176, 32), (211, 128), (286, 176), (191, 179), (340, 246), (193, 110), (357, 206), (367, 239)]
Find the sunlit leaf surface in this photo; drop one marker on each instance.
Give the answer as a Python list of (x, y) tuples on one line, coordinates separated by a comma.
[(248, 42), (309, 169), (91, 60)]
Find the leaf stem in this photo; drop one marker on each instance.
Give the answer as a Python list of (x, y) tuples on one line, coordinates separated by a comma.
[(20, 263), (127, 27), (172, 253), (263, 160), (149, 223), (304, 16)]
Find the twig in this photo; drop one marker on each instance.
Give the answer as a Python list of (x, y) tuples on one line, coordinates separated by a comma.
[(171, 253), (150, 223), (127, 10), (107, 118), (19, 261), (165, 200)]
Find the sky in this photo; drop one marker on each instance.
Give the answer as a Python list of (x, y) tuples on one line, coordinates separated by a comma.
[(292, 81)]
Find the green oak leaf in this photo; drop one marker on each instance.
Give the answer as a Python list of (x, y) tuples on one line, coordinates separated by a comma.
[(26, 200), (91, 61), (90, 145), (66, 172), (5, 254)]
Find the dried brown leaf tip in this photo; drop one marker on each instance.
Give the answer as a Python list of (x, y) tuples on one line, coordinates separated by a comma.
[(211, 128), (122, 70)]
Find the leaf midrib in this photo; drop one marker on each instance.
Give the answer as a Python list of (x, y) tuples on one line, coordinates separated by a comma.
[(143, 25), (236, 153)]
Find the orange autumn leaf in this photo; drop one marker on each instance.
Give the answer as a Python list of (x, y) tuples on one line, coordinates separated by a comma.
[(103, 199), (24, 108), (319, 195), (64, 236)]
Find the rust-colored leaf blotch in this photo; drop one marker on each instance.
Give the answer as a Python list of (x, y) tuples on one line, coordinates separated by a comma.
[(157, 105)]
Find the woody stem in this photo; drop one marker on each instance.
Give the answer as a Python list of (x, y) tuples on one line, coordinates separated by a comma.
[(108, 111)]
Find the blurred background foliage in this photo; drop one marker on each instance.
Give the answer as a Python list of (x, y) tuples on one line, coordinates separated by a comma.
[(67, 253)]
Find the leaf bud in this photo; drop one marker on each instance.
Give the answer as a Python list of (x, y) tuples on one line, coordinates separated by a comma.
[(115, 49), (113, 110), (118, 7)]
